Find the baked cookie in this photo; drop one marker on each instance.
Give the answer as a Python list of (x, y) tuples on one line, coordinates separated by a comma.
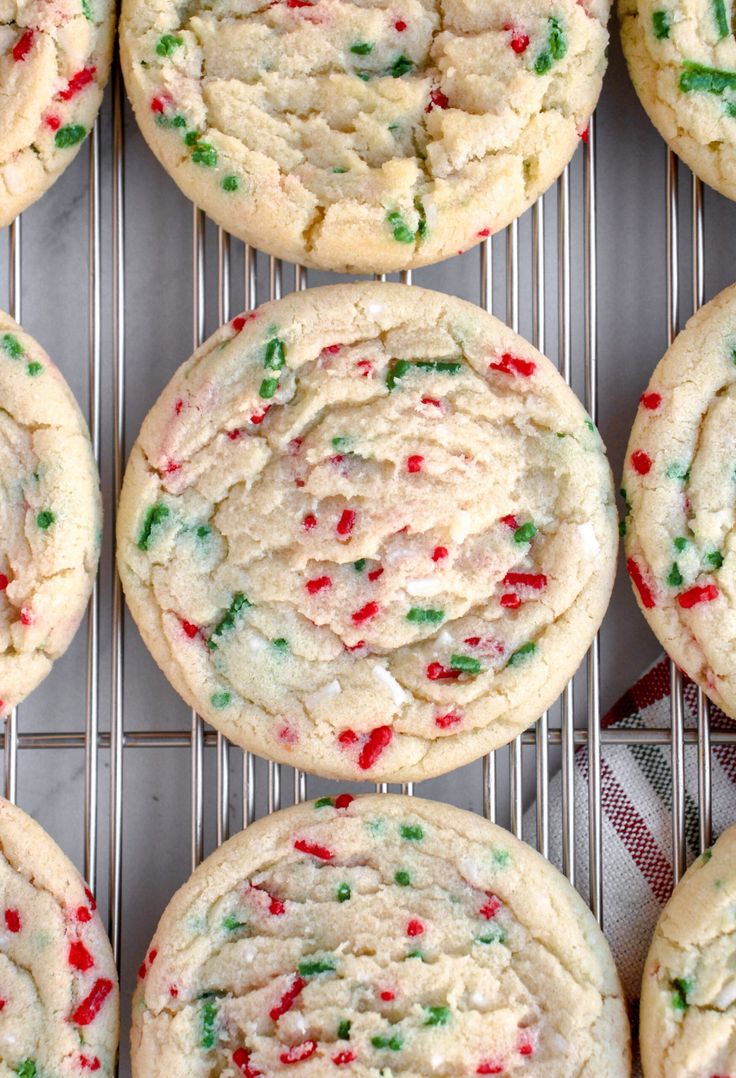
[(50, 514), (374, 936), (688, 1023), (680, 488), (364, 137), (369, 531), (682, 59), (58, 985), (54, 63)]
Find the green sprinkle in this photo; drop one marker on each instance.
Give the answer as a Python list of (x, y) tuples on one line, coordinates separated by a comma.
[(281, 643), (674, 577), (524, 652), (204, 154), (681, 987), (362, 48), (466, 663), (661, 24), (412, 832), (239, 602), (394, 127), (395, 1043), (45, 519), (318, 965), (364, 75), (437, 1016), (69, 135), (275, 354), (721, 18), (12, 346), (590, 424), (556, 48), (341, 441), (208, 1036), (715, 558), (439, 366), (156, 515), (268, 387), (27, 1069), (192, 138), (34, 368), (677, 471), (338, 170), (359, 565), (710, 80), (230, 183), (168, 44), (324, 802), (343, 1029), (730, 110), (401, 231), (622, 528), (497, 935), (87, 11), (501, 858), (400, 66), (397, 370), (680, 543), (178, 121), (422, 226), (403, 878), (706, 855), (343, 892), (232, 924), (416, 954), (525, 533), (422, 617), (220, 700)]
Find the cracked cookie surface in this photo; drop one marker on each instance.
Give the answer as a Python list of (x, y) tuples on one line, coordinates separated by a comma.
[(50, 514), (682, 60), (58, 984), (54, 63), (680, 487), (688, 1022), (368, 530), (369, 136), (372, 936)]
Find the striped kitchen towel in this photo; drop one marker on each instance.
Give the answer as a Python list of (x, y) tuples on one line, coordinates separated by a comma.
[(636, 786)]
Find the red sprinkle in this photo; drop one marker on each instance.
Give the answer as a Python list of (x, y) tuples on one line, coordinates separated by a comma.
[(298, 1052), (79, 956), (387, 996), (26, 616), (510, 521), (178, 407), (90, 898), (309, 522), (365, 613), (415, 928), (705, 593), (172, 467), (365, 367), (90, 1007), (526, 1048), (526, 580), (288, 999), (641, 462), (78, 82), (438, 672), (331, 349), (585, 135), (645, 592), (3, 582), (375, 573), (343, 800), (189, 629), (346, 522), (378, 740), (157, 105), (12, 921), (509, 364), (142, 970), (89, 1063), (437, 100), (490, 1068), (450, 719), (2, 1003), (241, 1059), (83, 914), (431, 400), (651, 401), (238, 322), (23, 46), (414, 463), (258, 417), (439, 553), (484, 233), (400, 25), (318, 583), (173, 991), (510, 601), (519, 40), (355, 647), (314, 849), (52, 122), (491, 907), (347, 737), (344, 1057)]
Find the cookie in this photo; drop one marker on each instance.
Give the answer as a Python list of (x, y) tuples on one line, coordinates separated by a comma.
[(364, 137), (680, 487), (369, 531), (688, 989), (50, 514), (682, 60), (54, 63), (58, 984), (374, 936)]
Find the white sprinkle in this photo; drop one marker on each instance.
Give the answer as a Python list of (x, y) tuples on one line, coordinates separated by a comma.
[(397, 552), (426, 585), (478, 1000), (299, 1022), (588, 538), (321, 696), (444, 640), (255, 642), (375, 308), (436, 1061), (461, 526), (246, 955), (397, 693), (470, 869)]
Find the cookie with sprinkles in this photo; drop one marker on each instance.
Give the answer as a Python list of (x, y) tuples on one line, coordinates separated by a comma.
[(374, 936), (682, 60), (688, 1023), (50, 514), (54, 63), (364, 136), (58, 985), (369, 531), (680, 490)]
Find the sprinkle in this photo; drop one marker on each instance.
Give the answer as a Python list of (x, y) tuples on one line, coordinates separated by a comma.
[(421, 616), (168, 44), (69, 136), (342, 801), (23, 46), (674, 577), (79, 956), (556, 48), (526, 580), (343, 1029), (318, 965), (288, 998), (411, 832), (230, 183), (27, 1069), (318, 583), (706, 593), (227, 622), (387, 996), (309, 522), (465, 664), (12, 921), (400, 25), (437, 1016), (78, 82), (275, 356), (268, 387), (343, 892), (524, 652), (519, 40), (375, 573), (365, 613), (451, 718), (155, 516), (511, 601), (89, 1063), (526, 1048), (220, 700), (395, 1043), (241, 1059), (710, 80), (322, 853), (3, 582), (510, 521), (11, 345), (439, 553), (401, 65), (661, 24), (490, 908), (489, 1068), (298, 1052), (415, 928), (681, 988), (414, 463), (437, 100), (401, 231), (346, 523), (378, 740), (437, 672), (509, 364), (645, 592), (45, 519), (344, 1057), (641, 462), (650, 401), (208, 1033), (347, 737), (90, 1007), (389, 682), (402, 878), (361, 48), (525, 533), (83, 915)]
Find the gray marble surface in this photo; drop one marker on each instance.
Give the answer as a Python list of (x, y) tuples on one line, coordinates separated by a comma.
[(158, 337)]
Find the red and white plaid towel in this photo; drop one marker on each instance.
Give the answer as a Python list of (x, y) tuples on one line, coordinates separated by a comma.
[(636, 786)]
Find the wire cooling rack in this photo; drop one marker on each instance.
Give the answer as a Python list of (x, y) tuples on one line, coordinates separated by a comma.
[(541, 276)]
